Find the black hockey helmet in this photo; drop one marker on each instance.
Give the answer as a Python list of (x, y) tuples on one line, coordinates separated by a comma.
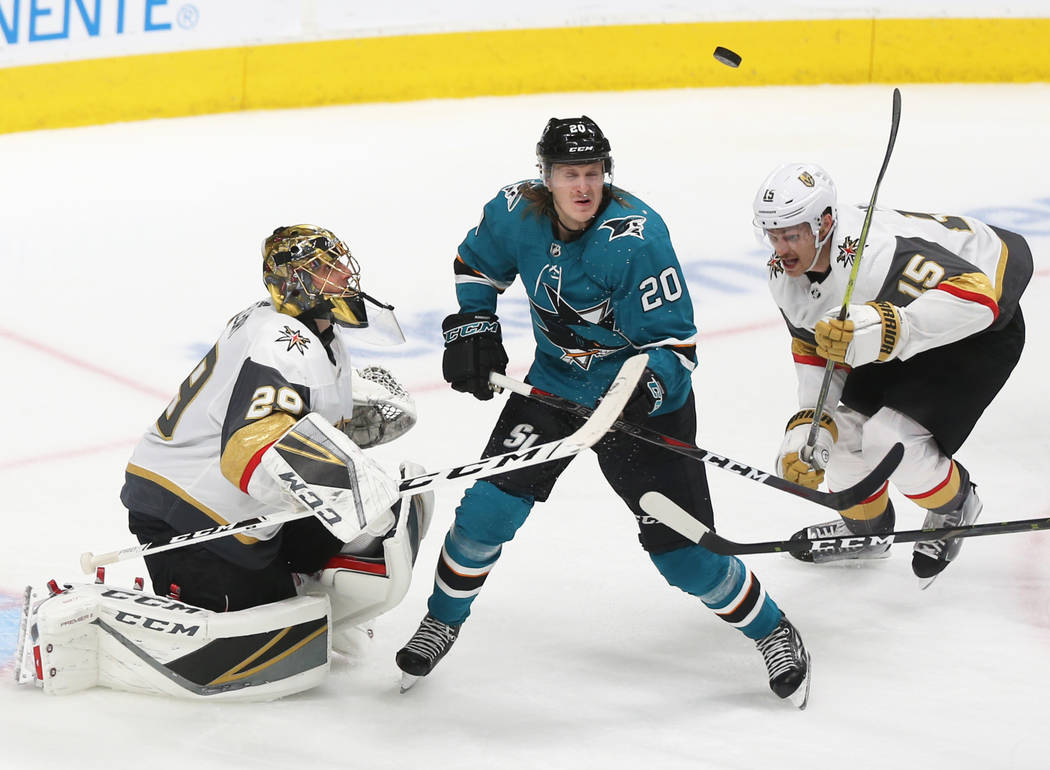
[(572, 140)]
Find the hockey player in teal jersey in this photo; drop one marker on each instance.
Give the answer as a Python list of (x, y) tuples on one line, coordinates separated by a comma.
[(603, 284)]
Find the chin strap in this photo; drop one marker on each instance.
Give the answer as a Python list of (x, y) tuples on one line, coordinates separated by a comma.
[(821, 243)]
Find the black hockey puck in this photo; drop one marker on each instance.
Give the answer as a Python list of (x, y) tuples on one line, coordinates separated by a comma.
[(727, 57)]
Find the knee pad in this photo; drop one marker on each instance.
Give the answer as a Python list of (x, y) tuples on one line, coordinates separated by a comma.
[(82, 635)]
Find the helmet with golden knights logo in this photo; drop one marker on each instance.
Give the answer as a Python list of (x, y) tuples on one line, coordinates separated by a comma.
[(310, 272), (795, 194)]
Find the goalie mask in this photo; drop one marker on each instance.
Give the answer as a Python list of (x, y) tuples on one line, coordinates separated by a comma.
[(575, 141), (795, 194), (310, 272)]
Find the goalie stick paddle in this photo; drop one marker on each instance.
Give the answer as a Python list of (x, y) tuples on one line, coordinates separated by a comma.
[(838, 501), (671, 514), (829, 368), (588, 434)]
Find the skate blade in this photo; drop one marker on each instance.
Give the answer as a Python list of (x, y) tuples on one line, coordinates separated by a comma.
[(925, 583), (407, 681), (850, 556), (800, 698), (25, 665)]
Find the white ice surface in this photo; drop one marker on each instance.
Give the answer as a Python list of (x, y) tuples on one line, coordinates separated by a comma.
[(125, 248)]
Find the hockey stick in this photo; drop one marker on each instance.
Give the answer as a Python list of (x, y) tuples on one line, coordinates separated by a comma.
[(838, 501), (829, 367), (669, 513), (588, 434)]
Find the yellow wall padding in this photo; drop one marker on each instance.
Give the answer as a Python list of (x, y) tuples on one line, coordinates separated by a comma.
[(504, 62)]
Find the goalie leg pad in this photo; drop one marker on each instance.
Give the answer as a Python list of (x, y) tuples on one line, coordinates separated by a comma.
[(96, 634), (363, 583)]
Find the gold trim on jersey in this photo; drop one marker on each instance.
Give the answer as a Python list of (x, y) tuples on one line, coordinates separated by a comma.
[(1000, 269), (245, 443), (977, 283), (802, 348), (180, 493)]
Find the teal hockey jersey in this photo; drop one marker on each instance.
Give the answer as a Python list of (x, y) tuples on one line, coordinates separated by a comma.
[(594, 301)]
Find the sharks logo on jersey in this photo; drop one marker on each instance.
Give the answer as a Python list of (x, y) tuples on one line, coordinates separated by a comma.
[(512, 193), (621, 227), (581, 335)]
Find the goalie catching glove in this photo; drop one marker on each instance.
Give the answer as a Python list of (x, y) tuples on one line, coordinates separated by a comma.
[(873, 332), (383, 409), (790, 464)]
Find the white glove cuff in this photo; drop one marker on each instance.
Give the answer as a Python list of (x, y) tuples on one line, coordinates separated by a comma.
[(879, 333)]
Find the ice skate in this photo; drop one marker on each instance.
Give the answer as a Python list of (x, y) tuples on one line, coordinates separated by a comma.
[(838, 551), (787, 661), (429, 644), (930, 557)]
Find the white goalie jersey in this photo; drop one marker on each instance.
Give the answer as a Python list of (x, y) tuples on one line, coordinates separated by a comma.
[(194, 467)]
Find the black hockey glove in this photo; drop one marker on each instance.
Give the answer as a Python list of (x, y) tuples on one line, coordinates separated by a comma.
[(648, 396), (473, 348)]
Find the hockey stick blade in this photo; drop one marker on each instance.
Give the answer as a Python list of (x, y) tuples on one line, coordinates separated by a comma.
[(838, 501), (672, 515), (588, 434)]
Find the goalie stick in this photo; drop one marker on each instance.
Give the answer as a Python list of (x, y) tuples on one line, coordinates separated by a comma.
[(838, 501), (671, 514), (596, 426)]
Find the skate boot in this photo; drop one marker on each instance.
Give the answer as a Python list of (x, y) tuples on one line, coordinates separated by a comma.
[(429, 644), (787, 661), (930, 557), (837, 551)]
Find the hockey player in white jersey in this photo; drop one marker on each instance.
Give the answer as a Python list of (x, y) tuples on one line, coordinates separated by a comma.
[(272, 407), (933, 331)]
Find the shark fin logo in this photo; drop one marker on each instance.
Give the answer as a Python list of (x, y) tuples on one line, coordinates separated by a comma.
[(512, 194), (621, 227)]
